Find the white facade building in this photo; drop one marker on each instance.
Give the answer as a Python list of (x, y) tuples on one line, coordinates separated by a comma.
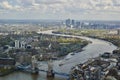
[(22, 44), (17, 44)]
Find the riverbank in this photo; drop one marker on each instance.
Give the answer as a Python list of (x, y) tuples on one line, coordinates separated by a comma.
[(115, 41), (4, 71), (59, 46), (98, 68), (97, 34)]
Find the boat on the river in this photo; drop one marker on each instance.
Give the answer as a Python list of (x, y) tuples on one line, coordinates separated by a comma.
[(60, 64), (67, 58), (72, 54)]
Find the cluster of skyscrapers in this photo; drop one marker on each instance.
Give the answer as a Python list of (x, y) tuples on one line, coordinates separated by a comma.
[(70, 23)]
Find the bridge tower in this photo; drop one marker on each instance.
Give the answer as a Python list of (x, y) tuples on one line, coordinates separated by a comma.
[(50, 72), (34, 65)]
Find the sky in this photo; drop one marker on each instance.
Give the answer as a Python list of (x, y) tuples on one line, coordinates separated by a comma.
[(60, 9)]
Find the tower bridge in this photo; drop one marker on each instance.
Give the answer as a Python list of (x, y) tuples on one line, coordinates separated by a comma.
[(35, 69)]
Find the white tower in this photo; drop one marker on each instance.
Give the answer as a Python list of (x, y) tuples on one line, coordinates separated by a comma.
[(17, 44)]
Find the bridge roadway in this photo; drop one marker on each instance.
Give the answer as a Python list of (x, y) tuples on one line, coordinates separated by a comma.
[(37, 70)]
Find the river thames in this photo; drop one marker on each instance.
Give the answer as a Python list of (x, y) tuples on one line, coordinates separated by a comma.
[(90, 51)]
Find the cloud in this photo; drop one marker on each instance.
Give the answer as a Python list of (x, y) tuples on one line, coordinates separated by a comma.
[(6, 5), (49, 2), (62, 7)]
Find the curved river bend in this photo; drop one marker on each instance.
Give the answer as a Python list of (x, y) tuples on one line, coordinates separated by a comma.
[(92, 50)]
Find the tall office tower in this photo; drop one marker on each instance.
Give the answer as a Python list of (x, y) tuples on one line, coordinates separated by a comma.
[(68, 23), (77, 25), (118, 32), (73, 23)]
